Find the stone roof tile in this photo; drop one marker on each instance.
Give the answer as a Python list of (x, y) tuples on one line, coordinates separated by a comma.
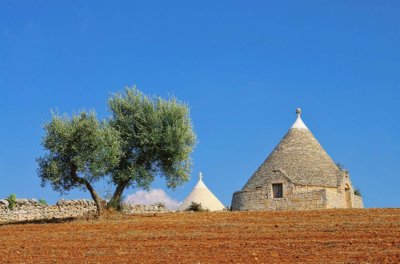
[(301, 157)]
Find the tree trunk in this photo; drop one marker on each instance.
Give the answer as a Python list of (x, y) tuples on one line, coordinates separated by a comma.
[(115, 201), (96, 198)]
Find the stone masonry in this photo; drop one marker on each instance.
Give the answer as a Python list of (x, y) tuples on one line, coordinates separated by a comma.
[(31, 209), (306, 176)]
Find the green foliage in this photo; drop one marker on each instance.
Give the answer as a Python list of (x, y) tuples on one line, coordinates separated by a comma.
[(357, 192), (157, 139), (80, 145), (43, 201), (12, 201), (145, 137), (80, 151), (196, 207), (341, 167)]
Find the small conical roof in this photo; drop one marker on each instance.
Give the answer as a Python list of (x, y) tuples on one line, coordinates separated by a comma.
[(301, 158), (202, 195)]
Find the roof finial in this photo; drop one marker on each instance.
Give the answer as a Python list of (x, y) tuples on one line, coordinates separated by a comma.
[(299, 123), (298, 111), (200, 176)]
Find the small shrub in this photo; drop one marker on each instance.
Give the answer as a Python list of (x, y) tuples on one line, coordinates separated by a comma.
[(341, 167), (12, 201), (42, 201), (357, 192), (196, 207)]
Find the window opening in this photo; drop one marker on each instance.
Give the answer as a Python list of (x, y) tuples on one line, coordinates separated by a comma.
[(277, 190)]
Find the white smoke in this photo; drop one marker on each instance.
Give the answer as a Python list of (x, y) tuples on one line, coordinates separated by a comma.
[(152, 197)]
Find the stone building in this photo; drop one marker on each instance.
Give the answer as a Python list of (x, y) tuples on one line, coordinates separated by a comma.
[(202, 195), (297, 175)]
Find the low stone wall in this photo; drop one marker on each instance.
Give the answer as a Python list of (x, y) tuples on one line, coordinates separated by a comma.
[(31, 209), (145, 209)]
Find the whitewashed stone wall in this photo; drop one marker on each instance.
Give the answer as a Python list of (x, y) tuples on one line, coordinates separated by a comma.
[(31, 209)]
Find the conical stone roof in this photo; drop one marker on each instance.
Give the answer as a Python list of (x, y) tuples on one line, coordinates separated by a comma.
[(202, 195), (301, 158)]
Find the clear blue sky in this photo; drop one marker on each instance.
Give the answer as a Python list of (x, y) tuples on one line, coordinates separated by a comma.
[(242, 66)]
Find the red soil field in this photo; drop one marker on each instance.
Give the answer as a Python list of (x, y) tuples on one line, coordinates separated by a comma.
[(344, 236)]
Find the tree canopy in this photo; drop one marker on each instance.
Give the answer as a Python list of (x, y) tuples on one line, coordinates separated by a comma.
[(81, 150), (157, 138), (145, 137)]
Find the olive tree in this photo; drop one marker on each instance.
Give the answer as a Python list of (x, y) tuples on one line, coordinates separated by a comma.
[(156, 139), (79, 151)]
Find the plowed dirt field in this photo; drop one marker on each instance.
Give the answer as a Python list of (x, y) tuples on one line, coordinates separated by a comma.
[(344, 236)]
